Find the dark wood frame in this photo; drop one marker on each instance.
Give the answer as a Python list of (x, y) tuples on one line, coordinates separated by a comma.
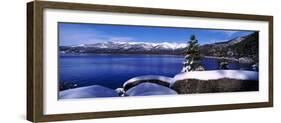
[(35, 60)]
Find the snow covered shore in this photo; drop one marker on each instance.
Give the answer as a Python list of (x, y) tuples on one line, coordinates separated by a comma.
[(200, 75), (182, 83)]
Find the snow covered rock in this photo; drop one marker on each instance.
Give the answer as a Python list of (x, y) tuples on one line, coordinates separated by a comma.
[(88, 92), (216, 81), (147, 89), (246, 60), (120, 91), (218, 74), (161, 80)]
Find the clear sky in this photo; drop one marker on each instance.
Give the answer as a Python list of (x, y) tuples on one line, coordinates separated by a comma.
[(79, 33)]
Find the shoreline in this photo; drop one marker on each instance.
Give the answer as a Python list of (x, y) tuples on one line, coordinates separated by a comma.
[(66, 54), (215, 57), (227, 58)]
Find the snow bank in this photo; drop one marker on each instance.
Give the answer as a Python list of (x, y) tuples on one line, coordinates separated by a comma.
[(218, 74), (88, 92), (146, 89)]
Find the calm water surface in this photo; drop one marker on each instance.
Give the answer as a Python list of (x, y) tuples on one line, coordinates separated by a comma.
[(112, 70)]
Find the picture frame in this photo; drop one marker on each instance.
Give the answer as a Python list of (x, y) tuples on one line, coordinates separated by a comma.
[(37, 67)]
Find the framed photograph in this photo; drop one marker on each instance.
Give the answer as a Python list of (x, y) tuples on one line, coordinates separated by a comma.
[(96, 61)]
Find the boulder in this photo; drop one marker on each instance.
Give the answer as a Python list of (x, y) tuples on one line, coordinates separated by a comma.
[(216, 81), (147, 89), (189, 86), (246, 60), (161, 80)]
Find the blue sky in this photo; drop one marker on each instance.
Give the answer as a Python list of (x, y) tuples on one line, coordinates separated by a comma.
[(79, 33)]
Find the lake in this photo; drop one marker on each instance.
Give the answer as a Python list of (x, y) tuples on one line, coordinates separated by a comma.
[(112, 70)]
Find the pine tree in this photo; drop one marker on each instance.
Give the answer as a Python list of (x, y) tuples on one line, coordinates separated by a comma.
[(192, 59)]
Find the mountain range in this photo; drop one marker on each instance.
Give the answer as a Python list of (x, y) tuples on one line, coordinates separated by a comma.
[(126, 47), (245, 46), (240, 47)]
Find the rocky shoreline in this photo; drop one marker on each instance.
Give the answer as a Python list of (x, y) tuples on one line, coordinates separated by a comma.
[(246, 60)]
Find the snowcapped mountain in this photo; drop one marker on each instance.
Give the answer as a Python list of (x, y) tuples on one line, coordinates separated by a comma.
[(136, 45), (126, 47), (230, 42), (236, 47)]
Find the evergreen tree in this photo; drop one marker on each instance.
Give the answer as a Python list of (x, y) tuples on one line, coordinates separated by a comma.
[(192, 59)]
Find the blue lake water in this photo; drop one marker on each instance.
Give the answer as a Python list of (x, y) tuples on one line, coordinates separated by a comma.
[(112, 70)]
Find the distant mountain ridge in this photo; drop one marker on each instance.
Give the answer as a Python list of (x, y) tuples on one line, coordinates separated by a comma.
[(240, 47), (126, 47)]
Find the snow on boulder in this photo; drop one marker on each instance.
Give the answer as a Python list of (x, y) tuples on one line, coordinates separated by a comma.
[(147, 89), (218, 74), (88, 92), (216, 81), (161, 80)]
